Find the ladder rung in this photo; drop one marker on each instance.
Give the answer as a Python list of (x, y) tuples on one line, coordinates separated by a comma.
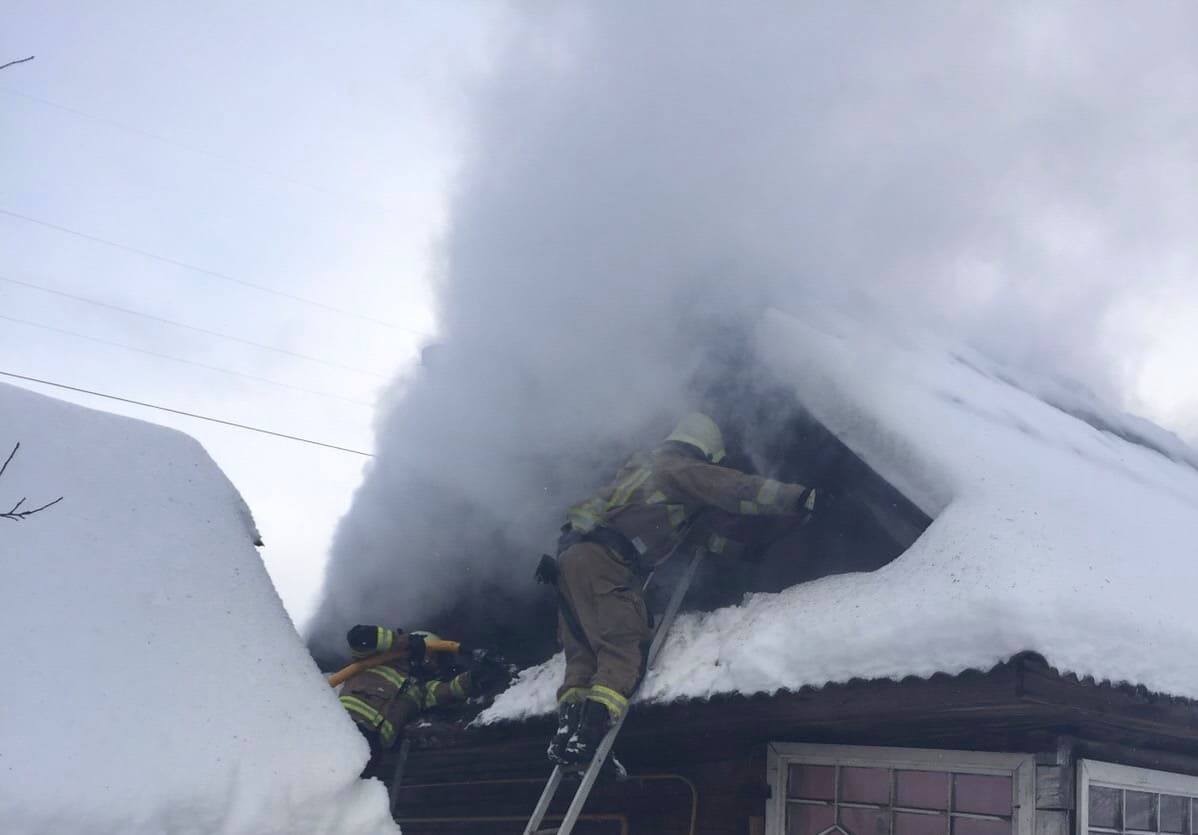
[(546, 831)]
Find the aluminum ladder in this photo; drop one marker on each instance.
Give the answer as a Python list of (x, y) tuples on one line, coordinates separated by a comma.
[(601, 753)]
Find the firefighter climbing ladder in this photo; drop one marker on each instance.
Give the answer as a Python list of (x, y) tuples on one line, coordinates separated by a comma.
[(592, 772)]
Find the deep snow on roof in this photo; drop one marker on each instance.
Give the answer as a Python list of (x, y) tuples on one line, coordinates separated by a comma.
[(153, 682), (1048, 535)]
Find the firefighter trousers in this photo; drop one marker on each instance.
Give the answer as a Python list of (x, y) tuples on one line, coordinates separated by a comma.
[(605, 629)]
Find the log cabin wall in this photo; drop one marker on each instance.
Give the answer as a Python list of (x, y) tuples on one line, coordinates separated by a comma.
[(703, 764)]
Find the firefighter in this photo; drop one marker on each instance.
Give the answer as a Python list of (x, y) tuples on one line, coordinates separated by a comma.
[(383, 699), (609, 544)]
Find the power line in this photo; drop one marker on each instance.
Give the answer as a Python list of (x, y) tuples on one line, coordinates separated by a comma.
[(173, 358), (204, 271), (263, 173), (172, 322), (14, 63), (185, 414)]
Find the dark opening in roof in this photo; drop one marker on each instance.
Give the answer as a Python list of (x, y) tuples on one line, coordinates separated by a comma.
[(861, 523)]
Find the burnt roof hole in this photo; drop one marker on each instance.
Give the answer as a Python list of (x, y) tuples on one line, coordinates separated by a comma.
[(861, 523)]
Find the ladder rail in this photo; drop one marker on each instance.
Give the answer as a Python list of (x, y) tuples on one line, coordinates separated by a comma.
[(582, 793), (547, 795), (667, 617), (397, 777)]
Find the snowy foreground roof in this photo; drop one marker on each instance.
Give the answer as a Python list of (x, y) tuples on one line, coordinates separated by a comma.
[(1048, 535), (153, 682)]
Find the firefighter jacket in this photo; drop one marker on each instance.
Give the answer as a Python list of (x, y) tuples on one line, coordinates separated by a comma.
[(385, 698), (655, 498)]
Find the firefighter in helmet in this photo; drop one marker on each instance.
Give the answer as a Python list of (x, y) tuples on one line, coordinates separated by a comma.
[(612, 540), (383, 699)]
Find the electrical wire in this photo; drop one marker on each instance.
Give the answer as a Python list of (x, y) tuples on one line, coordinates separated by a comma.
[(185, 414), (96, 302), (14, 63), (204, 271), (182, 360), (262, 173)]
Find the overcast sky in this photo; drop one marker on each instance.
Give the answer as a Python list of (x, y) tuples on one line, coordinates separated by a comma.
[(294, 146), (314, 150)]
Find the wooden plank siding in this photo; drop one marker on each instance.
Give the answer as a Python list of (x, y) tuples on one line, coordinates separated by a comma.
[(711, 754)]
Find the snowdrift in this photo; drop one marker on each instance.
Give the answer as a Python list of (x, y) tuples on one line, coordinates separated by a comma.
[(153, 682), (1050, 534)]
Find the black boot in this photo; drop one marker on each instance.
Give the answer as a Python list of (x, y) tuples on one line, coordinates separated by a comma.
[(593, 725), (567, 723)]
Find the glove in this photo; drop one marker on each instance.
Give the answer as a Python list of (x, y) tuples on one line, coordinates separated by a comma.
[(547, 570), (488, 673), (415, 650)]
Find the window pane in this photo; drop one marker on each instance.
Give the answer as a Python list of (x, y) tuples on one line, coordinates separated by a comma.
[(982, 794), (1173, 813), (812, 782), (970, 826), (865, 821), (909, 823), (1104, 807), (808, 820), (922, 789), (865, 785), (1140, 811)]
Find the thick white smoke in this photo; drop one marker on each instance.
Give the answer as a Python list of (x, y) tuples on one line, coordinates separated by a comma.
[(640, 171)]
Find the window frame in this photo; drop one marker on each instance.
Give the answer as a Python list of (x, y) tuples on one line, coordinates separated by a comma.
[(1127, 778), (1021, 768)]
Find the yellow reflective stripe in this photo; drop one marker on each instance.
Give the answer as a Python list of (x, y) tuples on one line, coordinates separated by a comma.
[(615, 702), (768, 494), (628, 486), (356, 705), (384, 639), (677, 515), (430, 694), (749, 508), (585, 515), (456, 687), (656, 497), (574, 694), (391, 674), (377, 720), (717, 543)]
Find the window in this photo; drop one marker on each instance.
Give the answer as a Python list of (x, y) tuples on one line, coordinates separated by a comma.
[(843, 790), (1118, 800)]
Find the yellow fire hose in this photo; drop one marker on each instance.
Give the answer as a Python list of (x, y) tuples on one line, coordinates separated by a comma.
[(383, 657)]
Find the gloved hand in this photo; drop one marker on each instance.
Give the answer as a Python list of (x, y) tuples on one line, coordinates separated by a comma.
[(547, 571), (415, 650), (488, 673)]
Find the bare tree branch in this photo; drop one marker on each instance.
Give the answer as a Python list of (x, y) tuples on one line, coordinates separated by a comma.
[(16, 514), (9, 458), (25, 514), (21, 61)]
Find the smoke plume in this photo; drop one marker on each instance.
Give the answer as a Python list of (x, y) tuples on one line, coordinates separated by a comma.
[(643, 178)]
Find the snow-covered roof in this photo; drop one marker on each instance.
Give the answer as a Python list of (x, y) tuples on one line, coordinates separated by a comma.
[(153, 682), (1049, 534)]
